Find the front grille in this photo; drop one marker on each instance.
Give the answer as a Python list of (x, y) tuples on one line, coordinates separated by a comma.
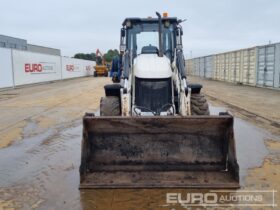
[(153, 94)]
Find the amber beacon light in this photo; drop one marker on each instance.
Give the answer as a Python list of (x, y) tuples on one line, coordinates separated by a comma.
[(165, 14)]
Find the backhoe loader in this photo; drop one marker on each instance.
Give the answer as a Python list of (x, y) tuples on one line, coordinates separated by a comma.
[(154, 128), (101, 68)]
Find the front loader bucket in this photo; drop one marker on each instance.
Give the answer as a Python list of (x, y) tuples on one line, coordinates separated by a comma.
[(159, 152)]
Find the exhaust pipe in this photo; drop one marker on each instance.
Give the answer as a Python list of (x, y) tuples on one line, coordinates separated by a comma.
[(160, 54)]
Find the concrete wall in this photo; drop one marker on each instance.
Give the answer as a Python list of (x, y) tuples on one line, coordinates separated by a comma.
[(72, 67), (6, 72), (34, 67), (19, 67)]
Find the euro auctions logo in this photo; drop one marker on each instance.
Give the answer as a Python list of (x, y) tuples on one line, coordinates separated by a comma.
[(72, 68), (221, 199), (34, 67), (39, 68), (89, 68)]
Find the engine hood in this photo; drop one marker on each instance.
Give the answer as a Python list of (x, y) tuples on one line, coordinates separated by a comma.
[(151, 66)]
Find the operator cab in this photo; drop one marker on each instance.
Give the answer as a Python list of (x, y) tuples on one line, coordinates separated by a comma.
[(149, 47), (151, 44), (142, 36)]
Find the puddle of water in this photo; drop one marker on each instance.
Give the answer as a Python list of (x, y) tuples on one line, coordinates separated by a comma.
[(97, 113), (249, 140), (14, 161), (50, 163), (29, 128), (47, 164)]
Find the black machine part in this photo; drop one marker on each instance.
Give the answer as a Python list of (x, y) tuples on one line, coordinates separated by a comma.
[(153, 94)]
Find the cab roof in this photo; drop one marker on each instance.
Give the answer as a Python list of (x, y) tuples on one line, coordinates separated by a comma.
[(135, 20)]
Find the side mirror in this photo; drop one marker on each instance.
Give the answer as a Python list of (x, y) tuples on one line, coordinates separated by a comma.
[(179, 31), (122, 41), (122, 32)]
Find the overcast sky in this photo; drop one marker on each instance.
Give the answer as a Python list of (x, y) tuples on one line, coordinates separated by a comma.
[(73, 26)]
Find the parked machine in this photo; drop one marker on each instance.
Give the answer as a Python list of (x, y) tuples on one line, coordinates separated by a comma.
[(101, 68), (155, 129), (115, 72)]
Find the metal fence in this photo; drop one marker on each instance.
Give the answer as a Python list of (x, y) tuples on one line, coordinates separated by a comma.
[(256, 66)]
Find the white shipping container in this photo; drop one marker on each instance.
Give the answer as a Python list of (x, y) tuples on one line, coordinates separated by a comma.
[(219, 67), (196, 66), (216, 67), (253, 66), (248, 66), (202, 67), (209, 66), (227, 67), (189, 66), (6, 71), (268, 65), (223, 66), (235, 67), (192, 66), (32, 68)]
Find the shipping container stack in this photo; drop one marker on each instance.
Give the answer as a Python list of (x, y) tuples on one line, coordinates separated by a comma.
[(256, 66)]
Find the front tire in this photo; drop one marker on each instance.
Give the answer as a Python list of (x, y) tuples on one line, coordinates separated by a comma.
[(199, 105), (110, 106)]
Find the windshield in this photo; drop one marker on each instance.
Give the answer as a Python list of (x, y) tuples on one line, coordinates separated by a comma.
[(143, 35), (146, 39)]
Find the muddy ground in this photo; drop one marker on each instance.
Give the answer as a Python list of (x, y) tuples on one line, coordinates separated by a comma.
[(40, 138)]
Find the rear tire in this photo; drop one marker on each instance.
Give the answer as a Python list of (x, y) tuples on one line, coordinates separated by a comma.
[(199, 105), (95, 74), (110, 106)]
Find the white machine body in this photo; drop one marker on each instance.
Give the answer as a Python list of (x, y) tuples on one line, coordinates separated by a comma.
[(152, 66)]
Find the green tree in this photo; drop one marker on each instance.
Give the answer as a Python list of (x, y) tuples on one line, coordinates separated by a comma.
[(110, 55), (91, 56)]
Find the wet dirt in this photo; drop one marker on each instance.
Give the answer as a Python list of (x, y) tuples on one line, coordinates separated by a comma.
[(48, 164), (249, 142), (42, 171), (259, 102)]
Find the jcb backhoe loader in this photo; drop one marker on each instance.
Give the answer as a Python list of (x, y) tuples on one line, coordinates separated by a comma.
[(101, 68), (154, 128)]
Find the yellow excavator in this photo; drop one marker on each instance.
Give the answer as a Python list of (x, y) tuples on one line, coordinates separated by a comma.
[(154, 128), (101, 69)]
